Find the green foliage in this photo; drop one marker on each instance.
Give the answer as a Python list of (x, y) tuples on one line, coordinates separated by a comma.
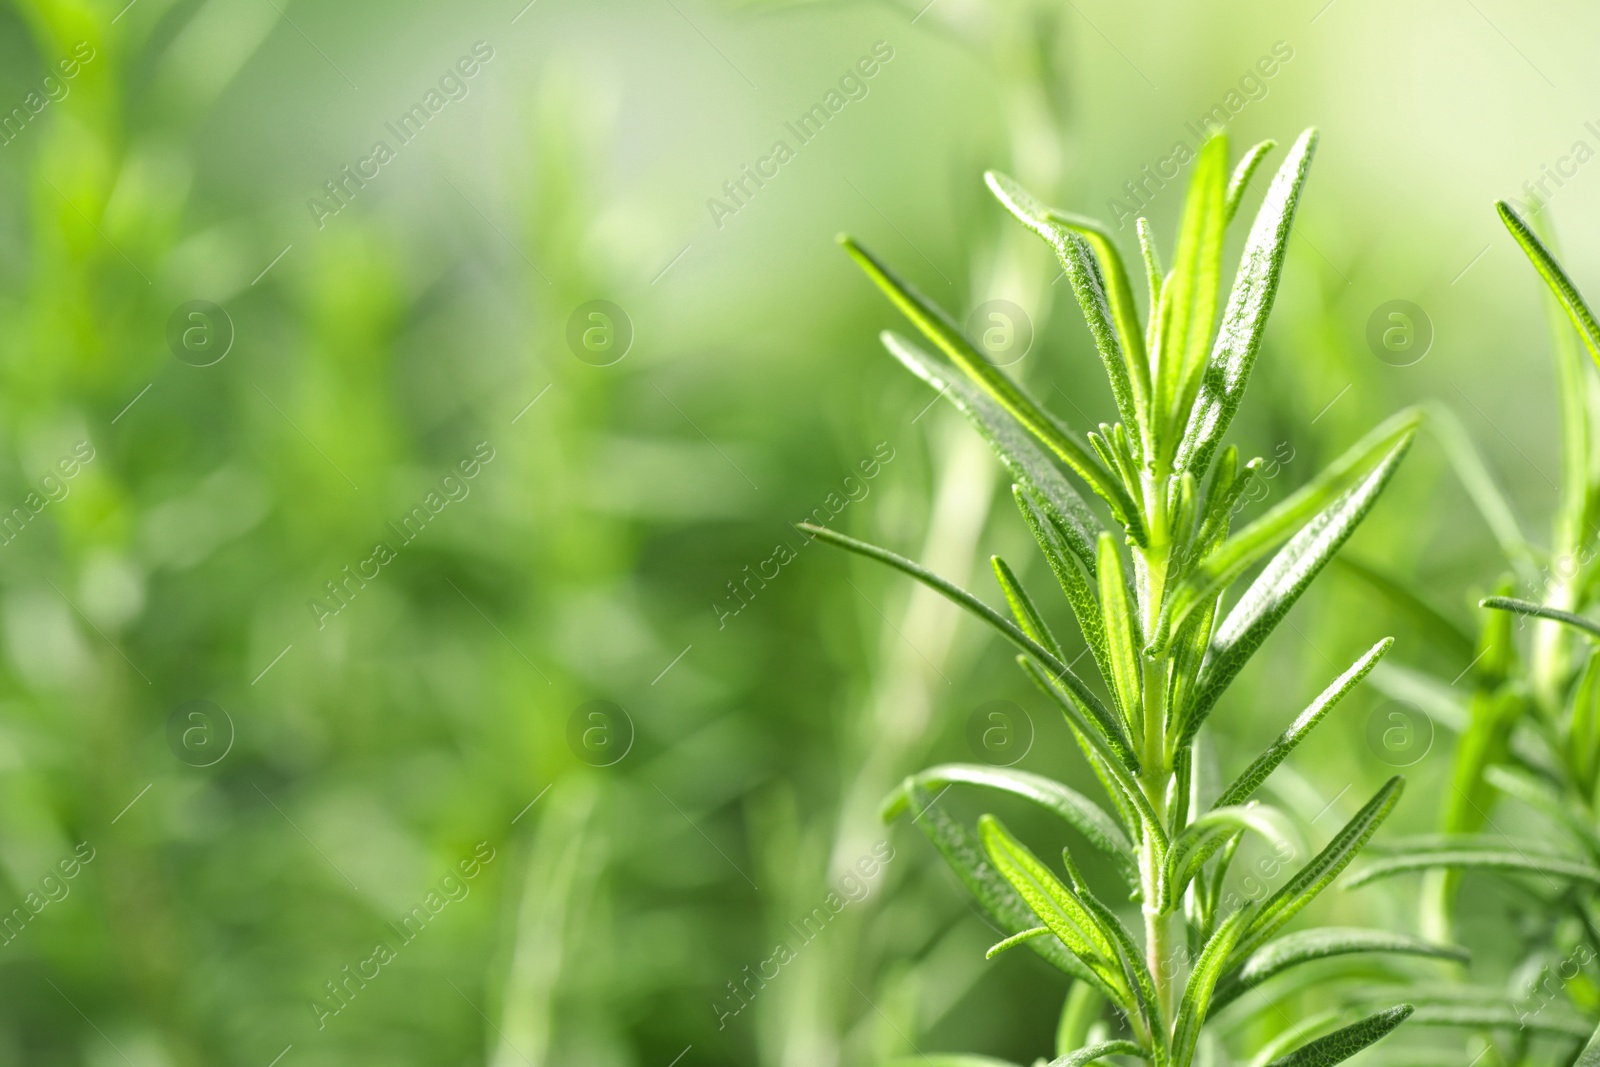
[(1530, 736), (1147, 592)]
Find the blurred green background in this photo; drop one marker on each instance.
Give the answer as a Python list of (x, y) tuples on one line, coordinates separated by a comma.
[(356, 753)]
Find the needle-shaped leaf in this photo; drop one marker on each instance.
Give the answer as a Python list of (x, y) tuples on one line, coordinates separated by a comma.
[(1016, 939), (1022, 607), (1307, 946), (1323, 868), (1121, 635), (1248, 782), (1090, 1053), (1196, 1002), (943, 332), (1200, 839), (1152, 269), (1245, 317), (1222, 501), (1555, 277), (1240, 181), (1056, 906), (964, 853), (1347, 1041), (1502, 860), (1588, 627), (1079, 812), (1191, 311), (1075, 524), (1105, 296), (1280, 583), (1057, 671), (1081, 597), (949, 589), (1135, 972), (1103, 734), (1317, 498)]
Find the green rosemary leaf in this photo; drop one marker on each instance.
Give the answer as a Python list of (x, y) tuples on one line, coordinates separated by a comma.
[(1090, 1053), (1028, 467), (1202, 838), (1057, 907), (943, 332), (1245, 317), (1079, 812), (1022, 607), (1589, 627), (1590, 1056), (1004, 907), (1102, 731), (1317, 499), (1196, 1002), (1304, 723), (1323, 868), (1107, 304), (1240, 181), (1280, 583), (1504, 860), (1081, 597), (1014, 940), (1555, 277), (1188, 318), (1346, 1041), (1121, 636), (1307, 946)]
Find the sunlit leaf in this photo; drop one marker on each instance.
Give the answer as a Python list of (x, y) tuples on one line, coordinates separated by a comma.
[(1323, 868), (943, 332), (1346, 1041), (1244, 319)]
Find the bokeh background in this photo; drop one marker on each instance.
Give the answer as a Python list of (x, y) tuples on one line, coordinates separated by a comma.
[(272, 758)]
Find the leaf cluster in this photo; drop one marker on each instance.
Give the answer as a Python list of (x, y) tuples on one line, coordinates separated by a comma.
[(1146, 569)]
